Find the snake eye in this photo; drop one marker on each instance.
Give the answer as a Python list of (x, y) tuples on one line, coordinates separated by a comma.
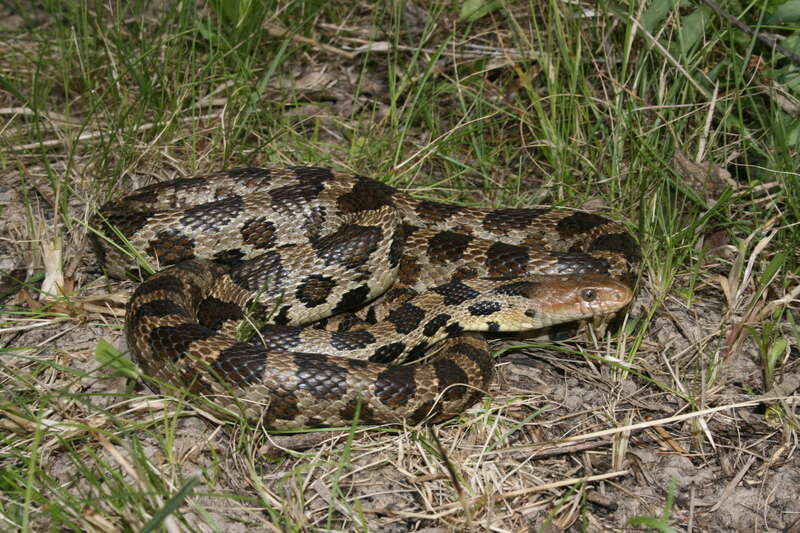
[(588, 294)]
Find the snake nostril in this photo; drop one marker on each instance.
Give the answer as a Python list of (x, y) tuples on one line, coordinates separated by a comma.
[(530, 313)]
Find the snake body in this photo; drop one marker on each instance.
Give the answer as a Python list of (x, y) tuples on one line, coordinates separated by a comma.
[(299, 244)]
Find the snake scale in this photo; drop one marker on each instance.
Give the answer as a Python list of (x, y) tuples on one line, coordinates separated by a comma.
[(295, 245)]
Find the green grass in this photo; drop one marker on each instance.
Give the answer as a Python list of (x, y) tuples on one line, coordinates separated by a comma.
[(513, 105)]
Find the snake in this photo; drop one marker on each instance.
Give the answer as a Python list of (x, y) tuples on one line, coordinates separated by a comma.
[(364, 304)]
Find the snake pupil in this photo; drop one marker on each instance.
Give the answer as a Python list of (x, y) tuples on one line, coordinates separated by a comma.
[(589, 295)]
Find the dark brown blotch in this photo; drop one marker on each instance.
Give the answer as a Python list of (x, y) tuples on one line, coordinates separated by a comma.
[(579, 263), (352, 299), (484, 308), (350, 246), (435, 324), (418, 351), (241, 364), (366, 195), (315, 290), (160, 282), (279, 337), (619, 243), (231, 257), (447, 247), (507, 260), (294, 198), (516, 288), (212, 312), (315, 175), (282, 406), (579, 222), (422, 412), (477, 355), (320, 376), (213, 215), (259, 233), (157, 308), (450, 376), (352, 340), (436, 211), (127, 221), (456, 293), (265, 272), (171, 247), (171, 342), (406, 318), (505, 220), (388, 352), (396, 386)]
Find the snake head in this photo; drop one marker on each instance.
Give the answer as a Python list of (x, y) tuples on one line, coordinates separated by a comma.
[(542, 301), (566, 298)]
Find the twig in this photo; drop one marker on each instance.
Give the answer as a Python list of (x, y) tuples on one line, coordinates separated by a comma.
[(766, 39), (278, 31)]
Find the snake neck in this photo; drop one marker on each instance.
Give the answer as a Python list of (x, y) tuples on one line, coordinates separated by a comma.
[(483, 305)]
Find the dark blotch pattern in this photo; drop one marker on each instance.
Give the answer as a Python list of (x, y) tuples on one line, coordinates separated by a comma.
[(351, 340), (212, 312), (158, 308), (367, 195), (355, 406), (476, 355), (436, 210), (388, 353), (395, 386), (618, 243), (507, 260), (579, 263), (484, 308), (232, 257), (282, 406), (282, 316), (352, 299), (516, 288), (406, 318), (447, 247), (293, 199), (313, 175), (126, 220), (454, 329), (265, 272), (456, 293), (492, 326), (161, 282), (351, 246), (435, 324), (320, 377), (279, 337), (240, 364), (259, 233), (418, 351), (396, 247), (505, 220), (579, 222), (214, 215), (449, 375), (171, 342), (171, 247), (315, 290)]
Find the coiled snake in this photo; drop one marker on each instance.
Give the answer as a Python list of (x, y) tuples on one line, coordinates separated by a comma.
[(299, 244)]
